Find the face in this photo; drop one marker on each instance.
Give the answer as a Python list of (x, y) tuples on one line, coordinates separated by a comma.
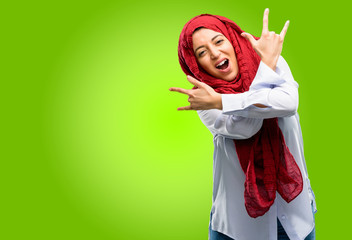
[(215, 54)]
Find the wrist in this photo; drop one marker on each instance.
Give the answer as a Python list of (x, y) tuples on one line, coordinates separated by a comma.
[(218, 101), (271, 63)]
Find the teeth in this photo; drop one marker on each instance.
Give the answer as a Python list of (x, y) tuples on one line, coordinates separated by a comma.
[(220, 64)]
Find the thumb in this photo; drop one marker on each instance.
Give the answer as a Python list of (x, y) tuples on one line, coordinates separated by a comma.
[(249, 37)]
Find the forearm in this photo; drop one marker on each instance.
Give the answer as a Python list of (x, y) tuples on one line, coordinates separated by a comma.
[(266, 103), (229, 126)]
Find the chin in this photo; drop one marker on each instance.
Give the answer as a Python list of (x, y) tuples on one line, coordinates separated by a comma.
[(230, 77)]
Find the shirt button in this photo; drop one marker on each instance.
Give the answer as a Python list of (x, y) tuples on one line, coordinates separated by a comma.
[(283, 217)]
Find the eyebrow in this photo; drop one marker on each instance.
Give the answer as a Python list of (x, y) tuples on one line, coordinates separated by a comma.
[(211, 40)]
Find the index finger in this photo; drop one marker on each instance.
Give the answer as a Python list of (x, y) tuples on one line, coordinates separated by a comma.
[(180, 90), (194, 81), (265, 22), (185, 108)]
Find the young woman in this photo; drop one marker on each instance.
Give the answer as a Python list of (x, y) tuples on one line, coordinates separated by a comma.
[(246, 96)]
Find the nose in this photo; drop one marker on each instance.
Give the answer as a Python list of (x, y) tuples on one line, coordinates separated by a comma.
[(214, 53)]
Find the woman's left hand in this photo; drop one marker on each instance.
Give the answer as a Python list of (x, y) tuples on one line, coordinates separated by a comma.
[(269, 46), (202, 98)]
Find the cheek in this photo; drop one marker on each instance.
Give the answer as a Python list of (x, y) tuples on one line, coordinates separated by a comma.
[(204, 63), (228, 48), (233, 53)]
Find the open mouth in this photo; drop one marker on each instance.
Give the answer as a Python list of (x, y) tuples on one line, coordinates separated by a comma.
[(223, 64)]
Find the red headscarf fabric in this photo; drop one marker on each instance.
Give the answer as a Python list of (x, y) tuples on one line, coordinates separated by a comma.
[(265, 159)]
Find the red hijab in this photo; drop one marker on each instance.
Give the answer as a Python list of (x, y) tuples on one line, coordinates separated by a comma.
[(265, 159)]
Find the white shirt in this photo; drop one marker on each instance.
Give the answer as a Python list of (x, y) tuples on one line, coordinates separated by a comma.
[(240, 119)]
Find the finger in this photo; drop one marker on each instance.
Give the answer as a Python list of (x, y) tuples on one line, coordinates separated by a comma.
[(184, 108), (249, 37), (265, 22), (284, 30), (180, 90), (194, 81)]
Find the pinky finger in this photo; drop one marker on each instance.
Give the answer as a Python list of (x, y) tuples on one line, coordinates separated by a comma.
[(284, 30)]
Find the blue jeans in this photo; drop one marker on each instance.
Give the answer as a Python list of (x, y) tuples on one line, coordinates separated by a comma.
[(281, 234)]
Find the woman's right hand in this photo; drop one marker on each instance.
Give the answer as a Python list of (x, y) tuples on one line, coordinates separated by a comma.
[(269, 46), (201, 98)]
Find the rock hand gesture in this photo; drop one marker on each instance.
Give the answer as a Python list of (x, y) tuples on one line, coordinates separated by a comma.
[(269, 46)]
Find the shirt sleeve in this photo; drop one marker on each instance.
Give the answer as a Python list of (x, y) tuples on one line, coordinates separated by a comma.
[(229, 126), (276, 90)]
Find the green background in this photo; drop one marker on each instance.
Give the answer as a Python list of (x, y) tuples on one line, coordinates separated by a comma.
[(93, 147)]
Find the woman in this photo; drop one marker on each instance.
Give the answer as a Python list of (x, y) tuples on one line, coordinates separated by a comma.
[(245, 94)]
